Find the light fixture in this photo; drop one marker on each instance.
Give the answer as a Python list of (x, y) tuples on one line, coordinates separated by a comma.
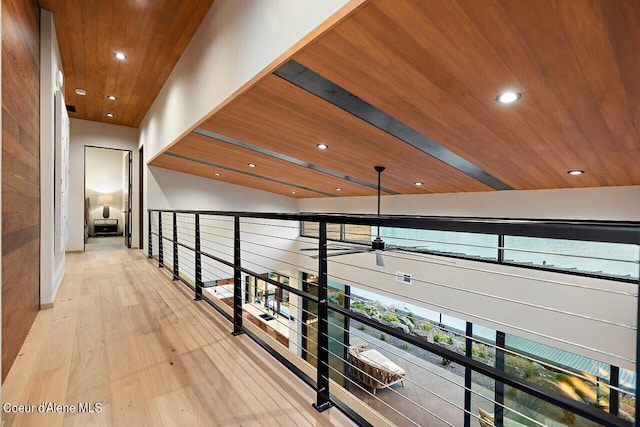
[(322, 146), (338, 189), (293, 192), (112, 97), (575, 172), (105, 200), (81, 92), (217, 174), (418, 183), (508, 97), (252, 165), (110, 115), (121, 56)]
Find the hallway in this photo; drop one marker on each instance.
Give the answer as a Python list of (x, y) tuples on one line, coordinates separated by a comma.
[(123, 336)]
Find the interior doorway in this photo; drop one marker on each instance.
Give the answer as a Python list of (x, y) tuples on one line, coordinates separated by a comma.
[(141, 198), (107, 199)]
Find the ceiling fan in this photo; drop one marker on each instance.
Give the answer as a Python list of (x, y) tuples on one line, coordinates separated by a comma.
[(377, 245)]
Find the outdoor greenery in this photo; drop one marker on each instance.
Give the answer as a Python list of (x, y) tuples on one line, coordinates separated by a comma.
[(390, 317), (426, 326)]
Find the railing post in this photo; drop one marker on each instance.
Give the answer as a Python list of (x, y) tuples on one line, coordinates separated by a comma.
[(637, 415), (500, 248), (176, 268), (322, 394), (347, 334), (198, 261), (614, 395), (160, 242), (467, 375), (499, 388), (237, 279), (150, 245)]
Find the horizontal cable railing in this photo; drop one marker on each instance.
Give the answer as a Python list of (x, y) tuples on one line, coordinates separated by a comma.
[(313, 304)]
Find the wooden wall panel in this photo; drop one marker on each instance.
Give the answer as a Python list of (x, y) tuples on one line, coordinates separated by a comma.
[(20, 174)]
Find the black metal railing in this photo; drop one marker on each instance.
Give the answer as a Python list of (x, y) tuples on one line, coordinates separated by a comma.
[(230, 236)]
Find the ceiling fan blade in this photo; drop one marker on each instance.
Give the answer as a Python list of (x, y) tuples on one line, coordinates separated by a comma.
[(353, 251), (380, 259), (331, 248)]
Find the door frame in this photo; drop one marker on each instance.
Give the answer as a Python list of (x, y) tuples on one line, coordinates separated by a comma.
[(84, 182)]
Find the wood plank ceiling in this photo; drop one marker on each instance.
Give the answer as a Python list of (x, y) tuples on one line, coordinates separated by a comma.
[(397, 71), (407, 84), (153, 34)]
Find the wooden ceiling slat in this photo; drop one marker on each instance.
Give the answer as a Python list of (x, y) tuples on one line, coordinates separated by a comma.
[(438, 65), (557, 56), (199, 169), (153, 35), (215, 151), (286, 119)]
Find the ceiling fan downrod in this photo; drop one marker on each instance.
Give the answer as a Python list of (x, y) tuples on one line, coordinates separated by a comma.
[(378, 243)]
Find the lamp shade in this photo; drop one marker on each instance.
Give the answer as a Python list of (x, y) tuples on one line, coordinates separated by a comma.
[(105, 199)]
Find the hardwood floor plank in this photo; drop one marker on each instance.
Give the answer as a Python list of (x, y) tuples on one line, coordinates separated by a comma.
[(139, 345)]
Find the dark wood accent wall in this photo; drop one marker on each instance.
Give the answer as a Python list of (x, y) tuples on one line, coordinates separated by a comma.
[(20, 174)]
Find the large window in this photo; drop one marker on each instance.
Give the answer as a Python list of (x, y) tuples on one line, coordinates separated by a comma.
[(620, 261)]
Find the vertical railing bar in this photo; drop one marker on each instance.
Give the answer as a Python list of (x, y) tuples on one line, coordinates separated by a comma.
[(614, 394), (237, 279), (150, 245), (637, 411), (322, 394), (160, 242), (467, 375), (499, 387), (500, 248), (176, 268), (198, 261)]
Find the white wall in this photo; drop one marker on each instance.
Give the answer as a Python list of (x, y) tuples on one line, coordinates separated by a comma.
[(103, 176), (83, 134), (604, 203), (167, 189), (52, 260), (237, 40)]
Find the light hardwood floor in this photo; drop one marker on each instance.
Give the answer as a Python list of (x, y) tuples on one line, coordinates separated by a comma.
[(122, 334)]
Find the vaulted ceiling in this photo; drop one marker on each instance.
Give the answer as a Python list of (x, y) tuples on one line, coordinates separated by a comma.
[(412, 85)]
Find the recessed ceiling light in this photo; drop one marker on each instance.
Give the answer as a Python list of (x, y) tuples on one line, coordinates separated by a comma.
[(110, 115), (338, 189), (252, 165), (575, 172), (418, 183), (81, 92), (217, 174), (293, 192), (508, 97), (111, 97), (121, 56), (322, 146)]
